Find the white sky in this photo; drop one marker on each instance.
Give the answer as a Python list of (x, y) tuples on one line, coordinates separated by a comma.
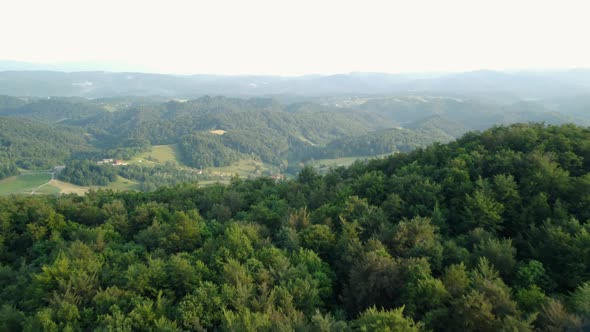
[(300, 36)]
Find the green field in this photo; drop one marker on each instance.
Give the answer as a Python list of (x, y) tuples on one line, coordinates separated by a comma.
[(24, 183), (244, 168), (158, 154), (336, 162), (324, 165), (48, 189), (122, 184), (205, 183)]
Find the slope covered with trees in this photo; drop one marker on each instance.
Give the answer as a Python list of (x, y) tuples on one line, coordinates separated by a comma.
[(383, 142), (469, 113), (36, 145), (488, 233)]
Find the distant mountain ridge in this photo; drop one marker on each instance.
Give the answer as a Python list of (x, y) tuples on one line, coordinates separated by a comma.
[(11, 65), (97, 84)]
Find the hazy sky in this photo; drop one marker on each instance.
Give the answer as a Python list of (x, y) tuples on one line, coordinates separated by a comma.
[(300, 36)]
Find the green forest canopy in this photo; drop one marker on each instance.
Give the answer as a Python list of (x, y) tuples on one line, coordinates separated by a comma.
[(488, 233)]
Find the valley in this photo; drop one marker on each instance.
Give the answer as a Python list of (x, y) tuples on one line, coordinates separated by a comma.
[(211, 139)]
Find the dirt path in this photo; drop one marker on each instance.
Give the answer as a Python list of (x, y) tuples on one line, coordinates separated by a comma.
[(43, 185)]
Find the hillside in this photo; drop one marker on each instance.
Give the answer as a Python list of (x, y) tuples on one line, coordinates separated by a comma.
[(260, 127), (440, 125), (384, 142), (470, 113), (36, 145), (486, 233), (55, 110), (210, 132)]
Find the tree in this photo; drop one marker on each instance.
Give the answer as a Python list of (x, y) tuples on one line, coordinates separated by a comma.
[(456, 279), (393, 320), (580, 299), (500, 253), (318, 238), (482, 210), (417, 238), (374, 281)]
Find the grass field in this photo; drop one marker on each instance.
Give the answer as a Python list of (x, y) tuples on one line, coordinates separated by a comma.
[(204, 183), (244, 168), (336, 162), (68, 188), (122, 184), (48, 189), (158, 154), (23, 184), (325, 164)]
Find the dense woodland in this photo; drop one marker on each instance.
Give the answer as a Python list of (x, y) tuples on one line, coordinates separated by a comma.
[(86, 173), (34, 145), (487, 233), (152, 177), (382, 142)]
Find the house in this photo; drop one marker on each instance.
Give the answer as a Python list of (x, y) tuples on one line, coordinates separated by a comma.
[(117, 162), (278, 177), (104, 162)]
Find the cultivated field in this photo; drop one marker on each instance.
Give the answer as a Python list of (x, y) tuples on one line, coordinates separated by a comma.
[(158, 154), (244, 168), (24, 183), (323, 165), (41, 183), (121, 184), (69, 188)]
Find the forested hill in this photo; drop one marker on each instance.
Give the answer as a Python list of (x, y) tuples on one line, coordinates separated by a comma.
[(487, 233), (384, 142), (217, 131), (33, 144)]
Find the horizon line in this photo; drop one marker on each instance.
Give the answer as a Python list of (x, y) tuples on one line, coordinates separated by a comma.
[(48, 68)]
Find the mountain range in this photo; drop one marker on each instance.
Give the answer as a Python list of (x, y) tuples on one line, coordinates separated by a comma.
[(98, 84)]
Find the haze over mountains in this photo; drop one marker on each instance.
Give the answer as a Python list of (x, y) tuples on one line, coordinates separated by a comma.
[(95, 84)]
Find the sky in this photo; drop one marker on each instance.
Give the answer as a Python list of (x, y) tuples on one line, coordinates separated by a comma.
[(299, 37)]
